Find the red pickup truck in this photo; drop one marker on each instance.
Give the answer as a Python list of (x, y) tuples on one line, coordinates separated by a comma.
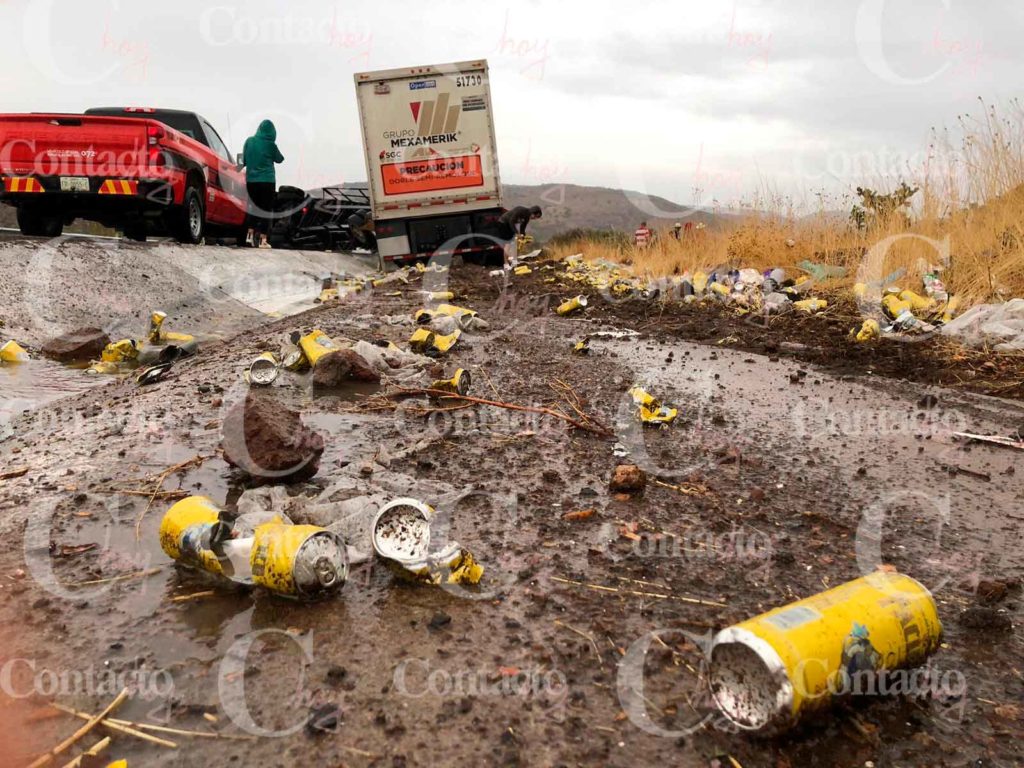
[(143, 171)]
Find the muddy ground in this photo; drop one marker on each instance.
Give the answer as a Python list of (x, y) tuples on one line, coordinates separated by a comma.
[(781, 457)]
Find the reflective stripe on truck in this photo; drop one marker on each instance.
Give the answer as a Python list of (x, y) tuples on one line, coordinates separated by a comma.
[(21, 184)]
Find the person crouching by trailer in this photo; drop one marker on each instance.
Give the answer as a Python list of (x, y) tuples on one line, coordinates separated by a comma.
[(511, 226), (258, 158), (361, 226)]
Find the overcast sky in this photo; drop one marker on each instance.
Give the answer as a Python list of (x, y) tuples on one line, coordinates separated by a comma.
[(657, 97)]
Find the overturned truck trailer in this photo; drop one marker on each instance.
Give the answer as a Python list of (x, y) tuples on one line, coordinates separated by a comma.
[(431, 160)]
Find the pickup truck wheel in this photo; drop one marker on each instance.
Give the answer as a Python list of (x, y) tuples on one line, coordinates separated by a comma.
[(191, 217)]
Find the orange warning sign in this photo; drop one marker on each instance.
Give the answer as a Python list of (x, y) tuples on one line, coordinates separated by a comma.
[(432, 174)]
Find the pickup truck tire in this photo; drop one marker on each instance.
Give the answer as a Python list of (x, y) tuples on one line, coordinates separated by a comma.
[(35, 223), (189, 223)]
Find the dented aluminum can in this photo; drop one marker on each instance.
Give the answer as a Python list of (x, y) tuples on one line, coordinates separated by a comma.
[(298, 561), (315, 345), (429, 343), (572, 305), (13, 352), (458, 384), (771, 671), (263, 370), (401, 537), (303, 561)]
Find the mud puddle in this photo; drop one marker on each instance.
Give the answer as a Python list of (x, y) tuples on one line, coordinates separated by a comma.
[(36, 383)]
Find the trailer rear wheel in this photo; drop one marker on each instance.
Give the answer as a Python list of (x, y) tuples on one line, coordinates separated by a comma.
[(35, 223)]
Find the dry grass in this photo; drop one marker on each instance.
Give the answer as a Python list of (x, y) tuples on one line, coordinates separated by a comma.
[(968, 217)]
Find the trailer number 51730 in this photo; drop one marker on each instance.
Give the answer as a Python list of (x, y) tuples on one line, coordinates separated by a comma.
[(465, 81)]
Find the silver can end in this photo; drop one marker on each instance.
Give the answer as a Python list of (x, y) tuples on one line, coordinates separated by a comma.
[(749, 682)]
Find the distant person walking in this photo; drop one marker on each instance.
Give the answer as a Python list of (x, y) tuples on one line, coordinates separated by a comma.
[(258, 158), (643, 236), (512, 225), (676, 229)]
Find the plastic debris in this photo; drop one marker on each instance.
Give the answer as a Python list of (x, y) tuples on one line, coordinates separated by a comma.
[(1000, 326), (582, 347), (522, 270), (769, 672)]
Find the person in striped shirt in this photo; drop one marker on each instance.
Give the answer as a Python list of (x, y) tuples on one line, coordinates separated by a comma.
[(642, 236)]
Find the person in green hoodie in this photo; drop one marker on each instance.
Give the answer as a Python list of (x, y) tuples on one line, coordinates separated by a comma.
[(259, 155)]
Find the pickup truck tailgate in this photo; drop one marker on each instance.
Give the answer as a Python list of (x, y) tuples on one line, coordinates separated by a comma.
[(52, 145)]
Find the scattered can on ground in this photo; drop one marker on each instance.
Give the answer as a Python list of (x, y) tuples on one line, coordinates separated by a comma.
[(401, 537), (429, 343), (303, 561), (314, 345), (122, 351), (770, 672), (298, 561), (263, 370), (458, 384), (650, 409), (572, 305), (13, 352)]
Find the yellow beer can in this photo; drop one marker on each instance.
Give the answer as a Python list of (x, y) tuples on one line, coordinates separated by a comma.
[(184, 533), (13, 352), (303, 561), (771, 671), (572, 305), (315, 345)]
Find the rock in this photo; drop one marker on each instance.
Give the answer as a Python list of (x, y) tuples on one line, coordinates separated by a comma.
[(988, 619), (324, 719), (82, 344), (268, 441), (439, 620), (335, 368), (990, 592), (628, 478)]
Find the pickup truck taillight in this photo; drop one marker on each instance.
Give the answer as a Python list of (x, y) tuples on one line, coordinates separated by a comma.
[(153, 134)]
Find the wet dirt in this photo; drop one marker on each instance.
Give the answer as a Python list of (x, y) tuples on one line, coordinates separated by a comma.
[(781, 477)]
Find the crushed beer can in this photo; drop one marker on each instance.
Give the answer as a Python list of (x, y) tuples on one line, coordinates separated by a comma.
[(770, 672), (869, 331), (457, 385), (810, 305), (12, 352), (650, 409), (440, 296), (522, 270), (123, 351), (298, 561), (429, 343), (401, 537), (263, 371), (314, 345), (582, 347), (574, 304)]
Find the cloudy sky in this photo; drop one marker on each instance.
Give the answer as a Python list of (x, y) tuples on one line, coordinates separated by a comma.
[(717, 96)]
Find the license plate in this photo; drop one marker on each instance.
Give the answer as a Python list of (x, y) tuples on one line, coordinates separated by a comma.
[(74, 184)]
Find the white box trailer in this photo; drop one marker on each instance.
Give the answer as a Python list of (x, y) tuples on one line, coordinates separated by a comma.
[(431, 160)]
